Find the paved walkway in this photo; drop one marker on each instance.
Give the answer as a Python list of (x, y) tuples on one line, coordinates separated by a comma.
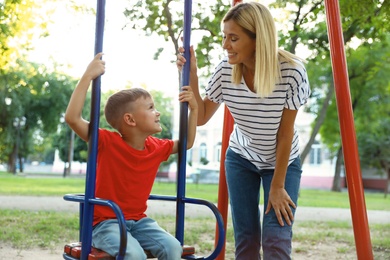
[(168, 208)]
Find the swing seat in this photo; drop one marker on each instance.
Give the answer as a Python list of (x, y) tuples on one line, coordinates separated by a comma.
[(73, 250)]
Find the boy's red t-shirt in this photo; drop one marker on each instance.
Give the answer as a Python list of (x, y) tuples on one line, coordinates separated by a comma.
[(125, 175)]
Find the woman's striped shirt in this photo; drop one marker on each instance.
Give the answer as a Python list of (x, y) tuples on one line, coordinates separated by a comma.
[(257, 119)]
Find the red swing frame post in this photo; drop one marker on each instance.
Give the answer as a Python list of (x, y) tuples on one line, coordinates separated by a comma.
[(348, 136)]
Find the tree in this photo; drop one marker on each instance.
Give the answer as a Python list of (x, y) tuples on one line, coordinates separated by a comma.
[(19, 22), (165, 18), (374, 147), (30, 91), (369, 82), (362, 21), (373, 124)]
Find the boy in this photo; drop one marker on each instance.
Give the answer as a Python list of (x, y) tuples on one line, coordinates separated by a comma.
[(127, 164)]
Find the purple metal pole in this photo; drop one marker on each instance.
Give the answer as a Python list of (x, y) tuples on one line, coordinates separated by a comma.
[(347, 129)]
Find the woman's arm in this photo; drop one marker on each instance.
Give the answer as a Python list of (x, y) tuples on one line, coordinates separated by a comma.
[(279, 200), (206, 108)]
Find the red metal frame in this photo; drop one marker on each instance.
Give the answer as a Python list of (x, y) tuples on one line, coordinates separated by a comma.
[(347, 130)]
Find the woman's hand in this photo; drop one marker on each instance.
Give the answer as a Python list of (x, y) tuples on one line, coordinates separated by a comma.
[(281, 202), (181, 60)]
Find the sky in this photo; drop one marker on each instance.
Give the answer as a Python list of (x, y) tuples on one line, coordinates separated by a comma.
[(128, 53)]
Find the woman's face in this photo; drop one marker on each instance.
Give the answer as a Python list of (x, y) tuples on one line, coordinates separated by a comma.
[(239, 46)]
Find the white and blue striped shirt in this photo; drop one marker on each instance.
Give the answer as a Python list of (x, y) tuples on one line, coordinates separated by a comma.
[(257, 119)]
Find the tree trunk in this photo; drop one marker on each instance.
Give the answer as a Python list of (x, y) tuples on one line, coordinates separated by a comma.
[(68, 169), (11, 164), (21, 164), (386, 167), (387, 188), (319, 121), (339, 162)]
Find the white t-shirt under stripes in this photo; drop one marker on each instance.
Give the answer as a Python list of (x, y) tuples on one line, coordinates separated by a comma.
[(257, 119)]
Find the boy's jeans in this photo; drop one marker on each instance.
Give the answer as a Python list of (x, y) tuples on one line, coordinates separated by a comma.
[(142, 234), (243, 180)]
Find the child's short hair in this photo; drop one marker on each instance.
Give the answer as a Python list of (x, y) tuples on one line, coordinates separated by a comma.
[(120, 103)]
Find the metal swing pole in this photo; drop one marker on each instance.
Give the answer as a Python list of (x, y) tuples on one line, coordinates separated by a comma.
[(347, 130), (86, 237), (183, 127)]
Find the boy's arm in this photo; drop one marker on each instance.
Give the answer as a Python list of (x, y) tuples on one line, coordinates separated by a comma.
[(186, 95), (73, 114), (192, 117)]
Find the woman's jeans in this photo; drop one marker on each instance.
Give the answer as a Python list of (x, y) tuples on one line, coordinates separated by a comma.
[(244, 180), (142, 234)]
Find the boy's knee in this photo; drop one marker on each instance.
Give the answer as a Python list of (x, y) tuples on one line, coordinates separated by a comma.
[(172, 249), (135, 253)]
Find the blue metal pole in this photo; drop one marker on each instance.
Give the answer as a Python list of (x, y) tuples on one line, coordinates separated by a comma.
[(93, 139), (183, 128)]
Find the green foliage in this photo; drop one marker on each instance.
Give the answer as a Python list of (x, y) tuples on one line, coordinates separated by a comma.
[(32, 91), (365, 31), (19, 20), (26, 89), (374, 146), (369, 85), (165, 18)]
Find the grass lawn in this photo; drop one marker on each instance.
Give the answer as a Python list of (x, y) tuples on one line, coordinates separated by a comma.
[(20, 185)]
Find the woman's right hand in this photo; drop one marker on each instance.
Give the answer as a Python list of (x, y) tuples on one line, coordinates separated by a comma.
[(181, 60)]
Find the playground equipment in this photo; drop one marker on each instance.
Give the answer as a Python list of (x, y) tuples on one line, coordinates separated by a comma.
[(83, 250), (351, 158)]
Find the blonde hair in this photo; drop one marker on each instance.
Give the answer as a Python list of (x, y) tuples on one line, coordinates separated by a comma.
[(120, 103), (257, 22)]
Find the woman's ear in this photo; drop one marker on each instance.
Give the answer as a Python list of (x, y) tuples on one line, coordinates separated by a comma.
[(129, 119)]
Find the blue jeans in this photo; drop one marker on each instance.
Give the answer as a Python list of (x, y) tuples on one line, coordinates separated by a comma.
[(142, 234), (244, 180)]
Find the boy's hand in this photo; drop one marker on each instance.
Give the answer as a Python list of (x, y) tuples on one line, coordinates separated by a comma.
[(186, 95), (96, 67)]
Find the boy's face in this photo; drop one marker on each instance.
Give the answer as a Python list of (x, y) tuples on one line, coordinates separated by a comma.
[(146, 116)]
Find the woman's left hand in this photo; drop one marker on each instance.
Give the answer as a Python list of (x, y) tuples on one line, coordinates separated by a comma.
[(281, 202)]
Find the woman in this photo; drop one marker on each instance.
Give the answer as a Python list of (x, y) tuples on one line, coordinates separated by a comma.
[(263, 87)]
